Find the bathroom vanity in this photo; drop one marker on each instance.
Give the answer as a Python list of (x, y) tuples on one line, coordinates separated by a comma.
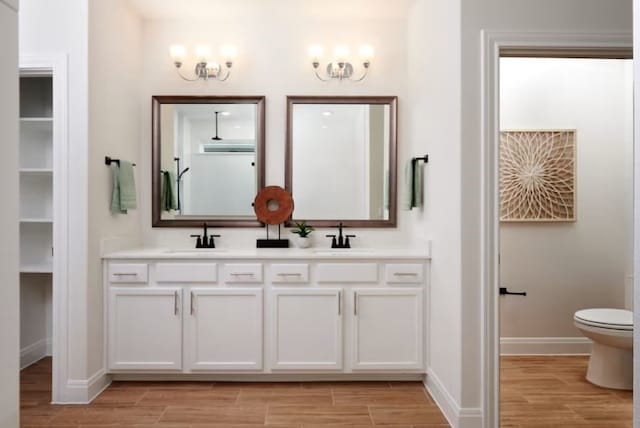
[(268, 314)]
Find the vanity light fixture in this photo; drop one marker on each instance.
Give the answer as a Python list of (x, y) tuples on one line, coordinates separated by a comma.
[(339, 67), (206, 68)]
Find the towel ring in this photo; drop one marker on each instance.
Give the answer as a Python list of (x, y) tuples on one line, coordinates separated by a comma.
[(273, 205)]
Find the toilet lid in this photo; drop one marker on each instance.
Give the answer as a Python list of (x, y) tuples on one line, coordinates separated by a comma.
[(618, 319)]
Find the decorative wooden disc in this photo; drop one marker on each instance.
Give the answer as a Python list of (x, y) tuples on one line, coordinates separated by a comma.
[(273, 205)]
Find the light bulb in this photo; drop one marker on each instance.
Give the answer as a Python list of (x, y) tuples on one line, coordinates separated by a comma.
[(366, 52), (341, 53), (229, 53), (203, 53), (178, 53), (315, 52)]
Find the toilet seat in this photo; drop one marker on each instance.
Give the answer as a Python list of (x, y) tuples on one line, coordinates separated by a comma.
[(612, 319)]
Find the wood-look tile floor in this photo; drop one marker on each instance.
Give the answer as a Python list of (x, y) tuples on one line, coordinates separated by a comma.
[(232, 405), (551, 391)]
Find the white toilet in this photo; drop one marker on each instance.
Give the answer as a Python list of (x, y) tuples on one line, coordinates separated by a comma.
[(611, 330)]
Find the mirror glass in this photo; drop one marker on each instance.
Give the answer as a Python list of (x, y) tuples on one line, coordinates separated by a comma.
[(341, 160), (208, 160)]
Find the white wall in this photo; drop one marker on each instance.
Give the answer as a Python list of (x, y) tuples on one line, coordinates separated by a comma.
[(636, 215), (586, 16), (434, 79), (569, 266), (9, 292), (114, 130), (277, 68)]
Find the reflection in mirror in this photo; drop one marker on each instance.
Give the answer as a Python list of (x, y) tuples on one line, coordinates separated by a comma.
[(208, 160), (341, 160)]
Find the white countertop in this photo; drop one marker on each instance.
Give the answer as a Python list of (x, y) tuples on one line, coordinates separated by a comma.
[(270, 253)]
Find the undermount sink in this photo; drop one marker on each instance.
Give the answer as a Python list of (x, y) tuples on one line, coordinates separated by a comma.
[(342, 252), (195, 250)]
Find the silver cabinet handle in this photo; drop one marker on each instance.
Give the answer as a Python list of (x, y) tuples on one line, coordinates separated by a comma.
[(339, 303), (405, 273), (289, 274), (175, 303), (193, 298), (241, 273), (355, 303), (124, 274)]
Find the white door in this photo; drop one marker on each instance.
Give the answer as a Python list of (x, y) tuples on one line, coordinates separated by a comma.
[(388, 329), (145, 328), (307, 329), (225, 329)]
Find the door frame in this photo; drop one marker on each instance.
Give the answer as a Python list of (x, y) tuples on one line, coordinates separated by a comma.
[(495, 44), (56, 65)]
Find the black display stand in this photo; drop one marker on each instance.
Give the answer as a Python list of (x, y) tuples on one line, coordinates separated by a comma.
[(272, 243)]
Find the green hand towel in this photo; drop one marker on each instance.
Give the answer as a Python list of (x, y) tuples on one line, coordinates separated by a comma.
[(115, 190), (412, 196), (123, 195), (168, 200)]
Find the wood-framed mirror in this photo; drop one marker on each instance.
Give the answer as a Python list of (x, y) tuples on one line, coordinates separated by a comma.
[(208, 160), (341, 160)]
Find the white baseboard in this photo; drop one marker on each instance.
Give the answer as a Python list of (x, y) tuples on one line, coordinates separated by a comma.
[(80, 391), (34, 352), (457, 416), (544, 346)]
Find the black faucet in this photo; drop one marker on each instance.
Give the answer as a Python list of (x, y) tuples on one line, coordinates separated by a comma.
[(205, 241), (342, 241)]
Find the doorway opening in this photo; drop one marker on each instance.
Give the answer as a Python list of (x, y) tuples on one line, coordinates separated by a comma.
[(508, 44), (566, 210)]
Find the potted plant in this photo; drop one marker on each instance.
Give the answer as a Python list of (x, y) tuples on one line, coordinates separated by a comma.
[(303, 230)]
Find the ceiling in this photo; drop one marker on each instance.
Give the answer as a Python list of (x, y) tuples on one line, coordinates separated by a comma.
[(325, 9)]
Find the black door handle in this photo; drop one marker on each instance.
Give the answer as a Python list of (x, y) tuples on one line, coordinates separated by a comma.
[(504, 291)]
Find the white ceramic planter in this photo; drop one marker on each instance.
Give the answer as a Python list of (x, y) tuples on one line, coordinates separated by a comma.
[(302, 242)]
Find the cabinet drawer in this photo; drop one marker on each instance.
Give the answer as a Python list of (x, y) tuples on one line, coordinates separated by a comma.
[(404, 273), (347, 272), (186, 272), (128, 272), (243, 273), (289, 273)]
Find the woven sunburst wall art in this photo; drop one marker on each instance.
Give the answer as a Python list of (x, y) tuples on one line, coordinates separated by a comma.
[(537, 175)]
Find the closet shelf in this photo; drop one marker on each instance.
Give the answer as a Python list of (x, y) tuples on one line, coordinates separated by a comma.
[(38, 171), (36, 220), (42, 268), (36, 119)]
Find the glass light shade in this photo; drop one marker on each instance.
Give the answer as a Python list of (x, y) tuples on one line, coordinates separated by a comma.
[(229, 53), (341, 53), (366, 52), (178, 53), (203, 53), (315, 52)]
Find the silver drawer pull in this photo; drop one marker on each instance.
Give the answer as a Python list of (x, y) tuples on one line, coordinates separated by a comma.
[(242, 273), (405, 273), (175, 303), (193, 298), (289, 274), (124, 274)]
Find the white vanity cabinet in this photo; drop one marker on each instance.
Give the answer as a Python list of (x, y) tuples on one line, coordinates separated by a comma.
[(387, 328), (307, 329), (278, 313), (144, 328), (225, 329)]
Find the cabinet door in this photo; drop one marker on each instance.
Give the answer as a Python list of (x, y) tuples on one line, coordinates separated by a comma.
[(225, 329), (145, 329), (388, 329), (306, 329)]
